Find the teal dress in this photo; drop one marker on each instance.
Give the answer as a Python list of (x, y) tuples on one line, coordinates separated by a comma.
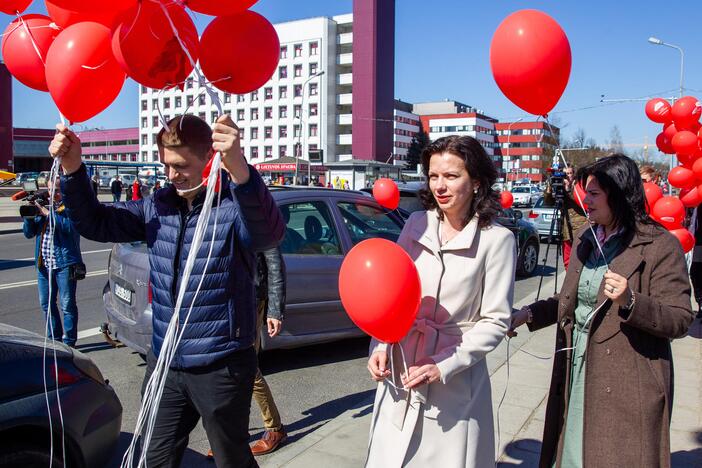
[(588, 287)]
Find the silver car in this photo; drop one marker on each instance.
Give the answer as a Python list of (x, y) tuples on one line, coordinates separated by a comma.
[(322, 226), (525, 195), (542, 217)]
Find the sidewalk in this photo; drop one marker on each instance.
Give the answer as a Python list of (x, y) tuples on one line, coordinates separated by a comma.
[(342, 442)]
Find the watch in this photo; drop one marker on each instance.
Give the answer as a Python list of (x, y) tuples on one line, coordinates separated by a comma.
[(632, 300)]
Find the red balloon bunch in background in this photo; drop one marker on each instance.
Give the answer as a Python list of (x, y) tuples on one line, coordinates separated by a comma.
[(85, 49), (681, 135)]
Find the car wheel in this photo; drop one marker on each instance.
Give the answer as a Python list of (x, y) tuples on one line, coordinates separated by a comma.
[(29, 456), (528, 258)]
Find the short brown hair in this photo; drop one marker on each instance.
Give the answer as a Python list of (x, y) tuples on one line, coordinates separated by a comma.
[(186, 131), (647, 170)]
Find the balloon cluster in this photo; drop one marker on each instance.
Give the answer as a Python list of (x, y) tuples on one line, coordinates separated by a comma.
[(681, 135), (84, 50)]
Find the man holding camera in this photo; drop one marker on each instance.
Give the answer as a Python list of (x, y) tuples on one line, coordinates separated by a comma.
[(572, 215), (61, 268)]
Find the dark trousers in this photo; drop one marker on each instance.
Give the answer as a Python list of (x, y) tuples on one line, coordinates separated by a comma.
[(219, 393)]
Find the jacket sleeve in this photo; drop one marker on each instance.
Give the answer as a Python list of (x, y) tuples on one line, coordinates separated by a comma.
[(666, 312), (121, 222), (260, 225), (544, 313), (31, 227), (495, 310), (276, 283)]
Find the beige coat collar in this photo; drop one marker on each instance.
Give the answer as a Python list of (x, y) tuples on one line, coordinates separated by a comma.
[(426, 231)]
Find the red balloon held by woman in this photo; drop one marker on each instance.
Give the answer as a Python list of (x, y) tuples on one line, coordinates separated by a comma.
[(669, 211), (687, 240), (380, 289), (219, 7), (653, 193), (579, 195), (690, 197), (24, 49), (239, 53), (68, 12), (682, 178), (686, 111), (149, 50), (663, 144), (386, 193), (12, 7), (530, 60), (685, 142), (81, 72), (658, 110), (506, 199)]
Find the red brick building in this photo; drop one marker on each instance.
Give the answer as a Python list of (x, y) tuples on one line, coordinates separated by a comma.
[(526, 149)]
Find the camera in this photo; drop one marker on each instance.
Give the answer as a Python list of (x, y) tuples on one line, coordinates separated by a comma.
[(556, 181), (30, 193)]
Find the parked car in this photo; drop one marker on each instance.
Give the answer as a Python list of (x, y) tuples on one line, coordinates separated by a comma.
[(25, 176), (525, 195), (322, 226), (542, 217), (92, 413), (42, 178), (525, 233)]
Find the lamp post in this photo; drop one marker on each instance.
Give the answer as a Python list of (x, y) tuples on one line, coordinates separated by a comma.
[(656, 41), (509, 134), (299, 136)]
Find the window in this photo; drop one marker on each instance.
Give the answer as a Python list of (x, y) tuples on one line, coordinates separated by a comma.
[(189, 100), (297, 111), (298, 71), (254, 133), (166, 103), (314, 46), (143, 89), (254, 152), (144, 105), (144, 122), (313, 69), (298, 50), (282, 151), (366, 222), (282, 131), (144, 155), (202, 99), (133, 157), (144, 139), (240, 98), (167, 118), (268, 132), (154, 155), (154, 121), (268, 151), (298, 150), (242, 135), (254, 95), (297, 90), (310, 230), (227, 98), (267, 112), (296, 131), (268, 93), (313, 129), (240, 115), (254, 114), (189, 83), (178, 101), (313, 109), (282, 72), (154, 103), (213, 116), (283, 112), (283, 52), (314, 89), (282, 92)]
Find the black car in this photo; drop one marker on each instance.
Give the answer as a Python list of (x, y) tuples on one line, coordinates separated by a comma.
[(92, 413), (524, 232)]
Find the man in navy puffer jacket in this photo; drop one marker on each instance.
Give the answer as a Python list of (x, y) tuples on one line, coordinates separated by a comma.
[(213, 370)]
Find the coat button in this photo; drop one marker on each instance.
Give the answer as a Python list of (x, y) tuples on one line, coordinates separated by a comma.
[(654, 324), (607, 351), (608, 390), (567, 296), (607, 313)]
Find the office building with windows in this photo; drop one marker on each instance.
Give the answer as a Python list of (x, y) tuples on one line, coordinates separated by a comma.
[(526, 149)]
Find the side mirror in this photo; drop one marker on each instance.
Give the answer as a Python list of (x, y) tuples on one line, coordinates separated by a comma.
[(518, 215)]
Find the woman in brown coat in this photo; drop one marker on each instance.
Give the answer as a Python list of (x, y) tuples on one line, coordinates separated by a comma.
[(625, 296)]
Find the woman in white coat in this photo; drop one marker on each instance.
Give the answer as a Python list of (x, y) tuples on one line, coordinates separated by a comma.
[(440, 412)]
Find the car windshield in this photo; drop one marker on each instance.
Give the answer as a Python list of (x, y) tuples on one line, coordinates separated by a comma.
[(520, 190), (539, 203)]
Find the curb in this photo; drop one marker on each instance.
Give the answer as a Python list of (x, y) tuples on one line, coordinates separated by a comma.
[(10, 231)]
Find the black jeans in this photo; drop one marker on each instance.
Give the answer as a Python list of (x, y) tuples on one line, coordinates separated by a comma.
[(219, 393)]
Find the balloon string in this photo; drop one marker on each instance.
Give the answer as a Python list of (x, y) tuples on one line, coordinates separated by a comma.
[(391, 382), (131, 26), (31, 39)]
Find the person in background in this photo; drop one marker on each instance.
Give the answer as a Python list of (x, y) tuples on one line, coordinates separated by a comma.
[(136, 190), (156, 187), (116, 189), (626, 297), (695, 229), (95, 182), (65, 265), (649, 174)]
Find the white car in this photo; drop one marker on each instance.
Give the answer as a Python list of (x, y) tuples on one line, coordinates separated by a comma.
[(526, 195)]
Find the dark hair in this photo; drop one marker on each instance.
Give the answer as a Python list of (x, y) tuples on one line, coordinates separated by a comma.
[(186, 131), (619, 177), (486, 202)]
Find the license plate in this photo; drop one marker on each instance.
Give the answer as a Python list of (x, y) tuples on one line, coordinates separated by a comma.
[(123, 293), (547, 217)]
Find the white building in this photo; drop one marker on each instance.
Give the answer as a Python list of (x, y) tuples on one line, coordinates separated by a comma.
[(305, 106), (406, 126)]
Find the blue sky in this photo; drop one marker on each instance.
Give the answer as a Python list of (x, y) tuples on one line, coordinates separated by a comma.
[(442, 51)]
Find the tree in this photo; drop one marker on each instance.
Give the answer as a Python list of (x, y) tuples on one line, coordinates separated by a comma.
[(414, 153), (616, 145)]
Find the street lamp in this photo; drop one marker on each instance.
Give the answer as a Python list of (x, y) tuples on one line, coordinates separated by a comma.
[(299, 136), (656, 41)]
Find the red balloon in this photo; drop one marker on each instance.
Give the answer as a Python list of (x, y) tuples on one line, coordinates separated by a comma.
[(663, 144), (81, 72), (148, 50), (24, 53), (110, 13), (690, 197), (686, 160), (579, 195), (684, 142), (658, 110), (13, 7), (530, 60), (697, 169), (687, 240), (669, 211), (686, 111), (681, 177), (380, 289), (506, 199), (386, 193), (239, 53), (669, 130), (219, 8), (653, 193)]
